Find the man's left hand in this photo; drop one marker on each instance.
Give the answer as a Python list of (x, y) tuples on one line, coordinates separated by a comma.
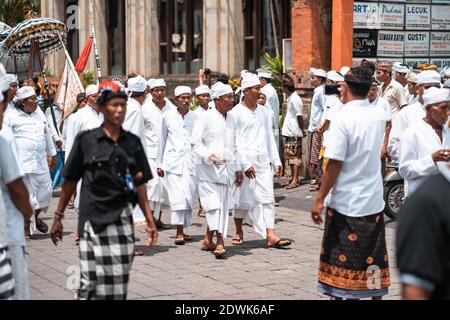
[(53, 163), (316, 212)]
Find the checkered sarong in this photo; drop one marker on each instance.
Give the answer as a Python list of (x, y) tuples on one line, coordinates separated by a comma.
[(6, 276), (106, 259)]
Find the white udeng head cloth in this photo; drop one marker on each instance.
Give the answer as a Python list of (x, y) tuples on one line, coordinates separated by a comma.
[(265, 74), (221, 90), (157, 83), (317, 73), (434, 96), (24, 93), (137, 84), (250, 80), (204, 89), (91, 90), (180, 90), (11, 78), (412, 77), (428, 77), (335, 76)]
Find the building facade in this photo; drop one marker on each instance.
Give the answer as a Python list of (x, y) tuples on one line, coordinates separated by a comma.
[(173, 38)]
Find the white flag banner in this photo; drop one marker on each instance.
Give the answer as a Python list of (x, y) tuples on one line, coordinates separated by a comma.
[(68, 89)]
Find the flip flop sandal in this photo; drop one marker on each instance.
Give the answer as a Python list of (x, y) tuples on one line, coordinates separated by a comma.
[(138, 253), (220, 253), (180, 242), (188, 238), (209, 249), (280, 245), (41, 226), (292, 186), (237, 242)]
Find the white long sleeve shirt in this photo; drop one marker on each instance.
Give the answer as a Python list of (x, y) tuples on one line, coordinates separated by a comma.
[(417, 145), (152, 124), (250, 136), (406, 118), (209, 138), (318, 105), (134, 121), (175, 152), (85, 119), (273, 103), (33, 138)]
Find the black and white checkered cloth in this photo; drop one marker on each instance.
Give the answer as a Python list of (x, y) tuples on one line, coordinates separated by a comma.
[(6, 276), (105, 260)]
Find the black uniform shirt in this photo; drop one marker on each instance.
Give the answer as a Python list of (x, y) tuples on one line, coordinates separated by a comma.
[(103, 165), (423, 238)]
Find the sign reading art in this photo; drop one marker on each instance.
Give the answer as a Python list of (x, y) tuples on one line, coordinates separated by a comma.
[(365, 15), (392, 15), (391, 43), (417, 44), (440, 18), (418, 16), (364, 43), (440, 44)]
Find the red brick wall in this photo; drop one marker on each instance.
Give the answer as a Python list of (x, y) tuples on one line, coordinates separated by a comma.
[(311, 34)]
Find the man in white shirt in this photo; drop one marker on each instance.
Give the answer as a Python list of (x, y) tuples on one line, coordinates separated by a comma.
[(411, 88), (273, 102), (376, 99), (318, 105), (209, 143), (426, 143), (134, 123), (31, 131), (87, 118), (414, 113), (15, 207), (18, 210), (392, 90), (293, 129), (352, 190), (153, 111), (203, 95), (250, 137), (176, 161)]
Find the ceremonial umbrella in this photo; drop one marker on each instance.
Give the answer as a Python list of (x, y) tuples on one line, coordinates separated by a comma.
[(47, 33), (4, 31)]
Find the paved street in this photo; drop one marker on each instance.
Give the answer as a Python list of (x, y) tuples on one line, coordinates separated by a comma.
[(169, 272)]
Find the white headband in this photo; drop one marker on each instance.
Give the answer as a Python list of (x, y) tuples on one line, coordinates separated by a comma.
[(250, 80), (204, 89)]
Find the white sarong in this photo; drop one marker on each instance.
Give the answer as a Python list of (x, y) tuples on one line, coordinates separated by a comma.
[(215, 202), (39, 187), (254, 201)]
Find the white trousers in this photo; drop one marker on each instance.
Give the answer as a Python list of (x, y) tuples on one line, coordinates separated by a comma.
[(19, 265), (215, 202), (39, 187), (262, 217), (182, 218)]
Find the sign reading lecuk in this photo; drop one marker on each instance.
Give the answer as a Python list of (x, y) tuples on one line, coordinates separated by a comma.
[(417, 44), (365, 15), (391, 43), (418, 16)]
